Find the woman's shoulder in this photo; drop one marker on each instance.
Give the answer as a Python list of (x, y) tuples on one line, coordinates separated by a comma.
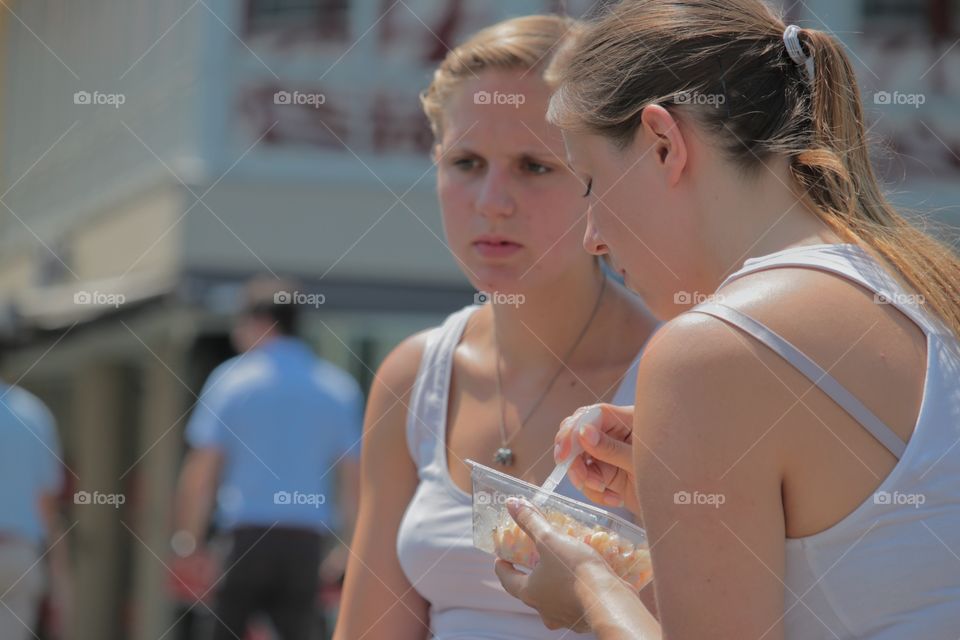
[(399, 369), (818, 313), (402, 364), (726, 386)]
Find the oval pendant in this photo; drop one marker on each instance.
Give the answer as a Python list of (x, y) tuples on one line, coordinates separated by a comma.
[(503, 456)]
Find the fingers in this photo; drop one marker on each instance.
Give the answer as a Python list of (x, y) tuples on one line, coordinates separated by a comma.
[(610, 419), (529, 519), (562, 442), (605, 445), (513, 581), (618, 418)]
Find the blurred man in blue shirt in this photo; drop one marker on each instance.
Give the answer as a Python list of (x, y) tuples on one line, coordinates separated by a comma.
[(31, 479), (275, 430)]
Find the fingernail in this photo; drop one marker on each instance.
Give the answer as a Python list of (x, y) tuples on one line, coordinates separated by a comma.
[(590, 433), (556, 452)]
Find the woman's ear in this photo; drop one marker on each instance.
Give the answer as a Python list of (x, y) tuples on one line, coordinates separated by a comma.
[(659, 133)]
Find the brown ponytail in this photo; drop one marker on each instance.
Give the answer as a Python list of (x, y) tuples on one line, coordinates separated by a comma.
[(647, 52), (838, 178)]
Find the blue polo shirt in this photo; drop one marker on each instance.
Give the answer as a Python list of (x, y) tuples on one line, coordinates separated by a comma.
[(283, 419), (29, 462)]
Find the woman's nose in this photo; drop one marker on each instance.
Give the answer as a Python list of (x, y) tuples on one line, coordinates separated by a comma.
[(592, 241), (495, 199)]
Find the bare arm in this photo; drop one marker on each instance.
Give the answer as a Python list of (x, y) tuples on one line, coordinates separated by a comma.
[(196, 491), (348, 479), (709, 481), (378, 601), (61, 592)]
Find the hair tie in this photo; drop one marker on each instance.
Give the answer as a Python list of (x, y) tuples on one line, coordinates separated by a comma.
[(791, 38)]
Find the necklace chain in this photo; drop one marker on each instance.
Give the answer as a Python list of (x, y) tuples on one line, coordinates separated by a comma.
[(504, 454)]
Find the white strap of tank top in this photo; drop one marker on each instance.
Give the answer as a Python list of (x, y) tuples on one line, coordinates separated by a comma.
[(814, 372)]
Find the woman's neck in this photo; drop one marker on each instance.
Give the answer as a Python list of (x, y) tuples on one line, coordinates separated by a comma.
[(541, 329), (762, 216)]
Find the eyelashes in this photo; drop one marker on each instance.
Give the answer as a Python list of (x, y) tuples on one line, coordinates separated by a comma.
[(589, 188)]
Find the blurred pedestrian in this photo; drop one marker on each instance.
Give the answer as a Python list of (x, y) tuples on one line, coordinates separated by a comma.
[(272, 429), (31, 481)]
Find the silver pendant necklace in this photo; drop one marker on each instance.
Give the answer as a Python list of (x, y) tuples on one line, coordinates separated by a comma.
[(504, 455)]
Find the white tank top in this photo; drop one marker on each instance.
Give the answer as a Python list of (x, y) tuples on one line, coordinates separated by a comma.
[(891, 569), (435, 539)]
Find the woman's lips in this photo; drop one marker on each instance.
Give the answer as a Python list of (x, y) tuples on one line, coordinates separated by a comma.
[(496, 248)]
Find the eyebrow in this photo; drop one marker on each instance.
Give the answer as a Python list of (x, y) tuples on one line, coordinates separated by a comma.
[(544, 153)]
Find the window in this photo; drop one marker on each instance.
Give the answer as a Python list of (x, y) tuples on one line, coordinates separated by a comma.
[(936, 18), (301, 19)]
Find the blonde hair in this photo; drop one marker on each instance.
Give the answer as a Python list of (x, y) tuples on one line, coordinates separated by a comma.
[(647, 52), (525, 43)]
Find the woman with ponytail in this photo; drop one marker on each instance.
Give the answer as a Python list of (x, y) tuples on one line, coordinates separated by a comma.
[(794, 452)]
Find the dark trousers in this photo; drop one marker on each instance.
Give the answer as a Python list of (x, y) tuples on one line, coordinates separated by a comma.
[(270, 571)]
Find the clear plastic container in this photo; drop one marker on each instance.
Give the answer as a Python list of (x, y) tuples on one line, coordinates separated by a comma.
[(622, 544)]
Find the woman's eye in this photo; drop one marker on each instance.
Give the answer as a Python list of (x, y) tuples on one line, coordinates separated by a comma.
[(465, 163), (589, 188), (536, 167)]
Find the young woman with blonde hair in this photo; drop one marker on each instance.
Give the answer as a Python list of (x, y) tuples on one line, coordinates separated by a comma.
[(794, 457), (492, 383)]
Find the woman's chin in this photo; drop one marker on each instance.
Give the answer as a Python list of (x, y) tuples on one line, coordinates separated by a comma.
[(498, 278)]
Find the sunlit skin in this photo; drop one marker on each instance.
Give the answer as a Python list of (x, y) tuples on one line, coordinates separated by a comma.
[(502, 174), (514, 217), (715, 411), (653, 208)]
